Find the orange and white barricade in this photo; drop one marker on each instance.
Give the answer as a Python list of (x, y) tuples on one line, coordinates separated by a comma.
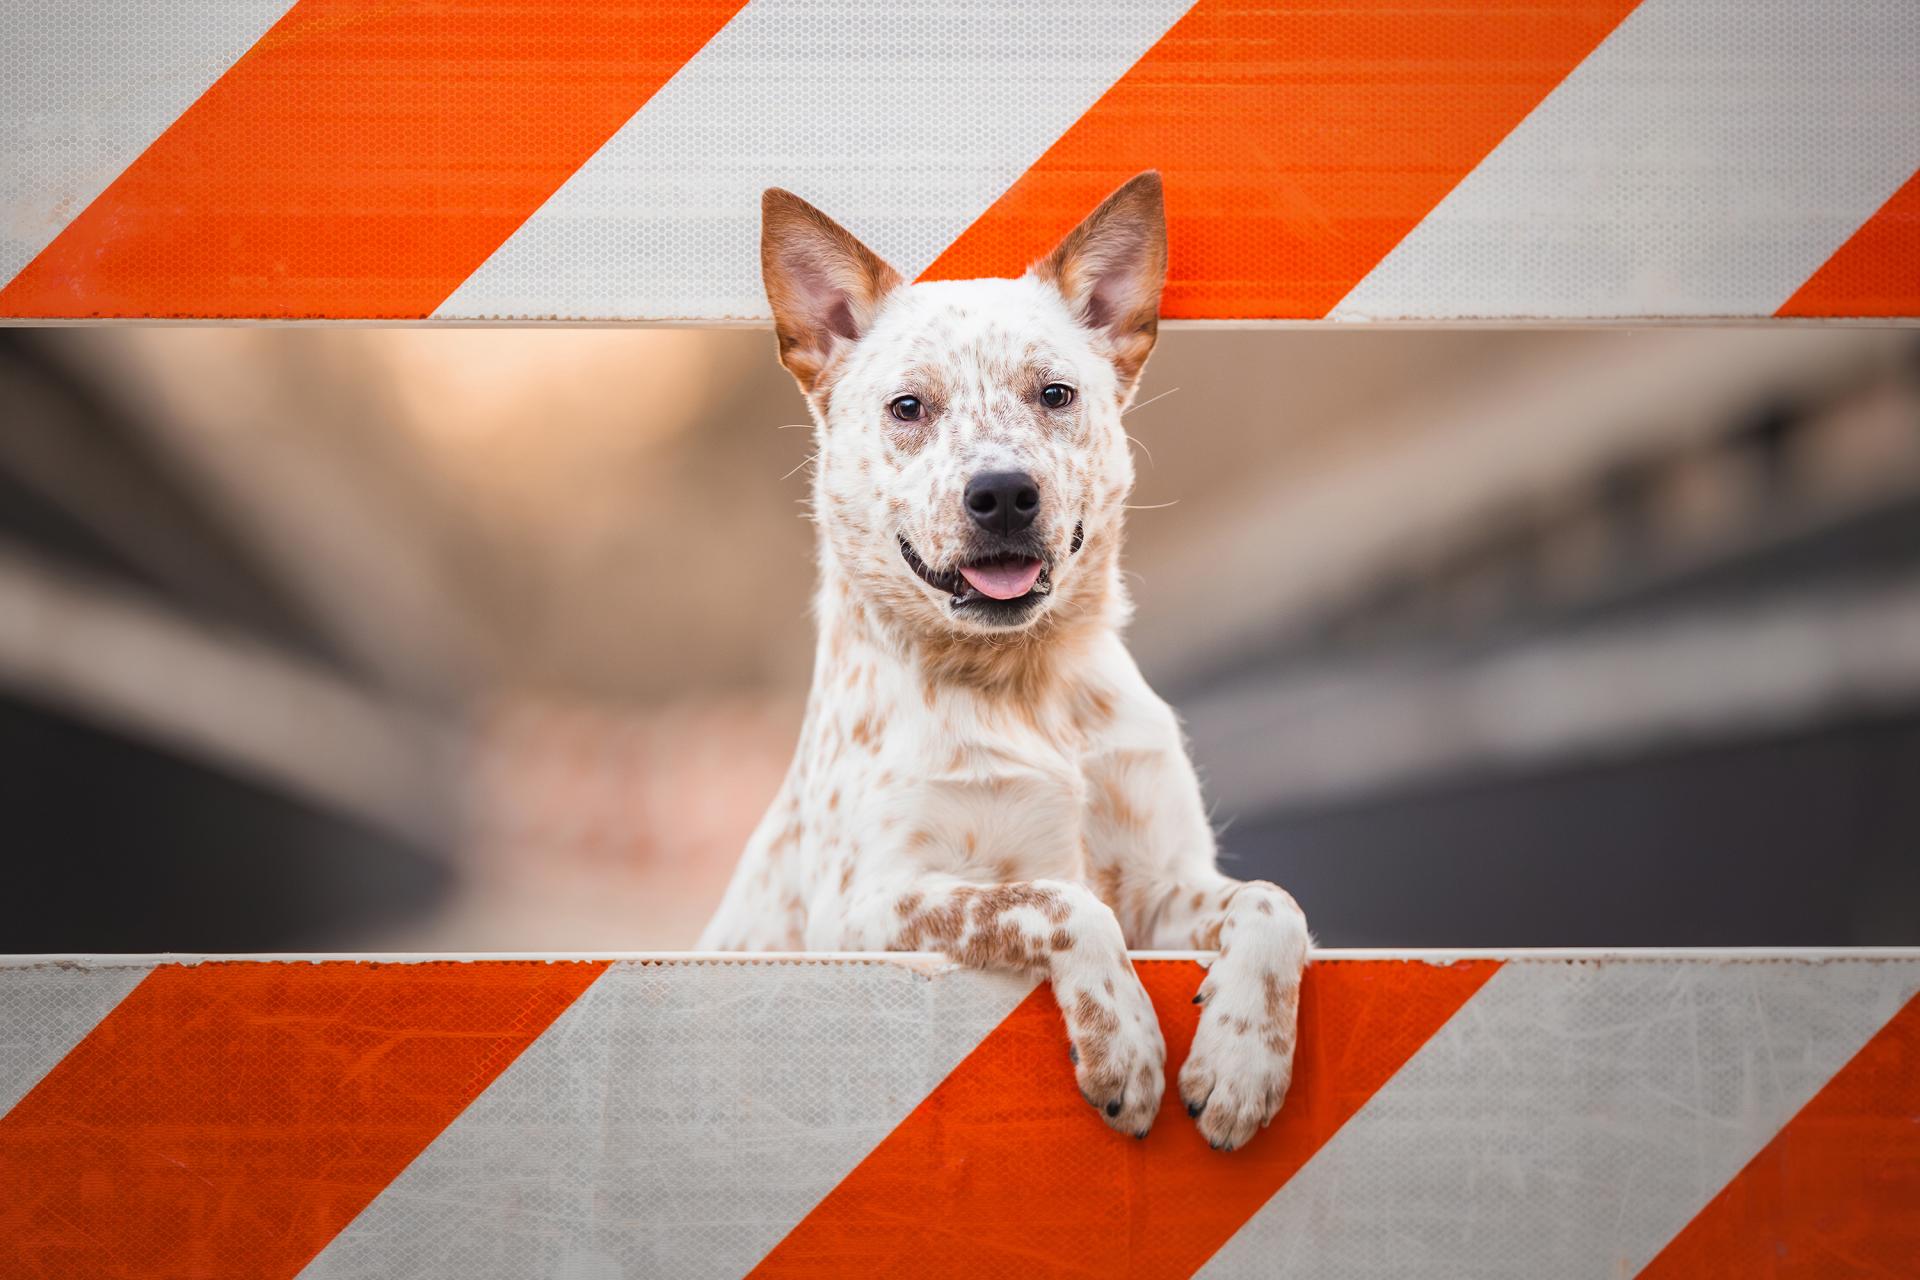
[(1540, 1114), (602, 159)]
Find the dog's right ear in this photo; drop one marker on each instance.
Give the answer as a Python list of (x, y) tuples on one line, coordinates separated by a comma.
[(823, 284)]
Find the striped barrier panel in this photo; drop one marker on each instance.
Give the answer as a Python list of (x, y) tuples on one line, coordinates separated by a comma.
[(602, 159), (1470, 1114)]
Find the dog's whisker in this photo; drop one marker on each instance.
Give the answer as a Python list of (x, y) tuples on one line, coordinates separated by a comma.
[(1133, 439), (1149, 400), (804, 462), (1149, 506)]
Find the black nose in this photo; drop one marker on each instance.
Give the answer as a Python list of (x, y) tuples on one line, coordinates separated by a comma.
[(1003, 502)]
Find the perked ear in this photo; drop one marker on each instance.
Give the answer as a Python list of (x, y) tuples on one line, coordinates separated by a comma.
[(1110, 269), (823, 284)]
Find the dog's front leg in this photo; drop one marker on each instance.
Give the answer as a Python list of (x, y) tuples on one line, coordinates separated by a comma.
[(1051, 927), (1237, 1074)]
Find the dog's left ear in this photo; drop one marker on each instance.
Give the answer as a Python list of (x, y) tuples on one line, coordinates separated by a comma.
[(1110, 269)]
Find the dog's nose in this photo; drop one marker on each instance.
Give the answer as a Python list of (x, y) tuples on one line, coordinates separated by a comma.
[(1003, 502)]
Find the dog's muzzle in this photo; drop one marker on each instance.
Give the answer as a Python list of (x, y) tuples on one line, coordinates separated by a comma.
[(996, 584)]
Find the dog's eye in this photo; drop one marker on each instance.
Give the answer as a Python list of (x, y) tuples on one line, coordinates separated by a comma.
[(1056, 395), (906, 408)]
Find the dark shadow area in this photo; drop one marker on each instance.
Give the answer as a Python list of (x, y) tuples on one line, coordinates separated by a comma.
[(1802, 840), (116, 846)]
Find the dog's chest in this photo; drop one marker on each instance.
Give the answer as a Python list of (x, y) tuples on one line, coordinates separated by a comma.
[(954, 783)]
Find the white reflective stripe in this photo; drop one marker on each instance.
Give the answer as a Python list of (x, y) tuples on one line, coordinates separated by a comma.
[(1570, 1119), (905, 122), (45, 1010), (678, 1120), (87, 85), (1705, 160)]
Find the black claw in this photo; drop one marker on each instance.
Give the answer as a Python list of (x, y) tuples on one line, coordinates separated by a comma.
[(1199, 999), (1113, 1108), (1214, 1145), (1073, 1054), (1142, 1135), (1195, 1108)]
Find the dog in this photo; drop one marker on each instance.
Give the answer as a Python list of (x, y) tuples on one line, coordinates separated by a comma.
[(982, 770)]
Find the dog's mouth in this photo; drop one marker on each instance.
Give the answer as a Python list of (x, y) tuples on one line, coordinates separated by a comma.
[(998, 587)]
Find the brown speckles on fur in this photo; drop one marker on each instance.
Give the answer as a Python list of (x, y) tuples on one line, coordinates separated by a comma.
[(1282, 998), (1001, 945), (1088, 1012), (1006, 897), (940, 923), (1112, 804), (1093, 1025), (976, 927), (1138, 903), (785, 839), (1092, 707), (1019, 675)]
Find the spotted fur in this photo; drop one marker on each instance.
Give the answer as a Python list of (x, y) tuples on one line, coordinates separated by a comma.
[(1011, 794)]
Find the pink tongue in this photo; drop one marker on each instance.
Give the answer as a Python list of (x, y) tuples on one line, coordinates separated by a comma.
[(1003, 579)]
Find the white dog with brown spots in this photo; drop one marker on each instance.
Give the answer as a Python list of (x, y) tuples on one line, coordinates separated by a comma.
[(983, 771)]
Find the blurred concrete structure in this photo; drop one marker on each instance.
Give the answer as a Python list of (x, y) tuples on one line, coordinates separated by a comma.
[(494, 638)]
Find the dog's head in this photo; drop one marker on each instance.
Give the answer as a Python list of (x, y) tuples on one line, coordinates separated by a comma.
[(970, 444)]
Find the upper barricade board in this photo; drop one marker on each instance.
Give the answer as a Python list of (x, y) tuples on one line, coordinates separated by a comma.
[(597, 160)]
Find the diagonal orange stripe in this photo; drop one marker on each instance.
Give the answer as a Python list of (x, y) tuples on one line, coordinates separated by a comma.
[(363, 158), (1837, 1191), (1876, 272), (230, 1119), (1300, 140), (1004, 1170)]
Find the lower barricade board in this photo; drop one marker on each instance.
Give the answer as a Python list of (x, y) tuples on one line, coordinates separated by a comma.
[(1538, 1114)]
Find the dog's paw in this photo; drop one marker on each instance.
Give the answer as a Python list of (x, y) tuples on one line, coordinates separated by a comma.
[(1236, 1075), (1118, 1054)]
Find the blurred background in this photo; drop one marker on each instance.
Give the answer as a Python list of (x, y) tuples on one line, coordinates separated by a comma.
[(490, 639)]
